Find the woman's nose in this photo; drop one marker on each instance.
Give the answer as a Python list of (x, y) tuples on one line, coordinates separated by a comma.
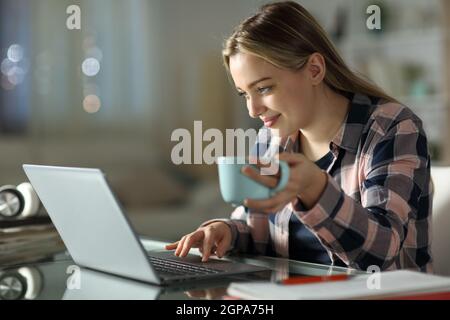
[(255, 108)]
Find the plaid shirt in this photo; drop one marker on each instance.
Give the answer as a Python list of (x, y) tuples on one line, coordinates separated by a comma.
[(376, 206)]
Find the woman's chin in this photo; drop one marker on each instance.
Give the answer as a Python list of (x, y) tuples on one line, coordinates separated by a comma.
[(282, 132)]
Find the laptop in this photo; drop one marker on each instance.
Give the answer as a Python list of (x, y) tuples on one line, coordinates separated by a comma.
[(98, 235)]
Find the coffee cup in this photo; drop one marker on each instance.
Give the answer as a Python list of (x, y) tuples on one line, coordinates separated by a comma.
[(235, 186)]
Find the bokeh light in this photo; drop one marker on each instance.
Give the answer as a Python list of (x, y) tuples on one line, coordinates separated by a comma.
[(91, 103), (90, 67), (16, 75), (14, 67), (15, 53)]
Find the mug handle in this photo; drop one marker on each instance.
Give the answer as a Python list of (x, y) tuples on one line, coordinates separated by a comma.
[(284, 178)]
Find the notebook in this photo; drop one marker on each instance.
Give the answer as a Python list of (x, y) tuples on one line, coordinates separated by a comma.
[(391, 284)]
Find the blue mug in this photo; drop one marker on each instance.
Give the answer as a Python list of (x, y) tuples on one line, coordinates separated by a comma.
[(236, 186)]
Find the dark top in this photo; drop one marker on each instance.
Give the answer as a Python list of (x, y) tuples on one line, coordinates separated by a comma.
[(303, 244)]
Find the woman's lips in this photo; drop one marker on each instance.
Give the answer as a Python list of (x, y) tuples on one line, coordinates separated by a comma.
[(269, 122)]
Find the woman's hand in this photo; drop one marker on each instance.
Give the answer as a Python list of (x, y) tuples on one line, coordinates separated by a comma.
[(306, 182), (214, 238)]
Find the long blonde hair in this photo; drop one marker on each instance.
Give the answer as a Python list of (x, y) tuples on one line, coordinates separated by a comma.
[(286, 34)]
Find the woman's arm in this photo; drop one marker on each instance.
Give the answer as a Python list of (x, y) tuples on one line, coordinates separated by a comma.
[(395, 181)]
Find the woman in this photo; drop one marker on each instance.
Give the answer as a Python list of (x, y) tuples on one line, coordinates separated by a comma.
[(359, 186)]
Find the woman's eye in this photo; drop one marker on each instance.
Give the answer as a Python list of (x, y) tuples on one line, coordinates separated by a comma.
[(242, 94), (264, 90)]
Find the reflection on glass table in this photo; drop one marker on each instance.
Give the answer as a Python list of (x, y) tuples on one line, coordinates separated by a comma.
[(59, 278)]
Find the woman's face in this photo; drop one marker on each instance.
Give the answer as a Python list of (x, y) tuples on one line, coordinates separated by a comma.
[(281, 98)]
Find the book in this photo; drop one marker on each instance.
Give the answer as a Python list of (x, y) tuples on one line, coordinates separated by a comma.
[(27, 243), (39, 220), (397, 283)]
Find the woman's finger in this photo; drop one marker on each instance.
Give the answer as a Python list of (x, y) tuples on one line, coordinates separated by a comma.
[(172, 246), (269, 181), (208, 243), (190, 241), (261, 162), (222, 245), (180, 246)]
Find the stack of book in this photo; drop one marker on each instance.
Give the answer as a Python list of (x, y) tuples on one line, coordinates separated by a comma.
[(28, 241)]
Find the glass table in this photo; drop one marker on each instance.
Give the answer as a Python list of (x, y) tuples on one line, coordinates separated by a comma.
[(58, 277)]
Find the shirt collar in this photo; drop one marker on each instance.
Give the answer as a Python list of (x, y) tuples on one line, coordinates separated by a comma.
[(353, 126), (349, 134)]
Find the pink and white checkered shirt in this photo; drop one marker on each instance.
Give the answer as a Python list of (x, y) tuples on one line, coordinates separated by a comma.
[(376, 207)]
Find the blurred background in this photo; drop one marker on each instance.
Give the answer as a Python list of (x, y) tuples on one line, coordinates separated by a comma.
[(111, 94)]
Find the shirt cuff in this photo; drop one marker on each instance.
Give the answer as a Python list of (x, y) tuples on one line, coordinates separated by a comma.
[(326, 207)]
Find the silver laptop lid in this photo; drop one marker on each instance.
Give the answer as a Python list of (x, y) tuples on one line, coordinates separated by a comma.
[(90, 220)]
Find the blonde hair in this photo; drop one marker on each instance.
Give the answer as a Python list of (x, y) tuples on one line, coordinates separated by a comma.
[(285, 34)]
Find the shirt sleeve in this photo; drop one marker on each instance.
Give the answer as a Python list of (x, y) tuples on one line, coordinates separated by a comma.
[(250, 231), (395, 171)]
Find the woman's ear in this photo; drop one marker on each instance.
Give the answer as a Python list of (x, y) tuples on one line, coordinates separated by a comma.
[(316, 68)]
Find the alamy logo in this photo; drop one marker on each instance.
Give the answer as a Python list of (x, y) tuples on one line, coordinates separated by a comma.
[(374, 20), (191, 148), (189, 145), (73, 21), (374, 280), (74, 280)]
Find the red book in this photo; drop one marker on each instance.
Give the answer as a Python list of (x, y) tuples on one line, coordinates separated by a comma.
[(314, 279)]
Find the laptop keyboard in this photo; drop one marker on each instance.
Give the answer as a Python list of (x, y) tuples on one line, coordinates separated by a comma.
[(179, 268)]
